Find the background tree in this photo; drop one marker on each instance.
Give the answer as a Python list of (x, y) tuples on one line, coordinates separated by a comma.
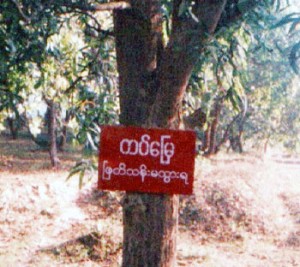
[(245, 57), (270, 88), (62, 50)]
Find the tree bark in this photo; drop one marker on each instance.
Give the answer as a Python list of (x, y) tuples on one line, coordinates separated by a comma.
[(152, 82), (196, 119), (150, 221), (235, 137), (64, 131), (206, 139), (212, 147), (52, 134), (150, 229), (13, 125)]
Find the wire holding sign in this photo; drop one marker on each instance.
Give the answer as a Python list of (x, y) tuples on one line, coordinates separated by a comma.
[(146, 160), (165, 150)]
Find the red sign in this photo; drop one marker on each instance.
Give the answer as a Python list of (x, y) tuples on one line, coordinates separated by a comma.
[(146, 160)]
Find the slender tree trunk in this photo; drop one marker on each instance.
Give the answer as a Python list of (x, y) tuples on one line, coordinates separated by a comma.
[(236, 143), (63, 137), (13, 127), (47, 117), (241, 123), (52, 134), (212, 149), (206, 137)]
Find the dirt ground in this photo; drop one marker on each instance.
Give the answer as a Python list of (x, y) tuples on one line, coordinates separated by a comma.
[(245, 212)]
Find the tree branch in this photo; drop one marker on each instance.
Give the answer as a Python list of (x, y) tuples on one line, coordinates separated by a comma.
[(98, 29), (79, 78), (234, 11), (175, 13), (187, 40), (19, 8), (209, 13)]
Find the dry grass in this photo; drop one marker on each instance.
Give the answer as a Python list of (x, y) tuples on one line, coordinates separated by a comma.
[(245, 212)]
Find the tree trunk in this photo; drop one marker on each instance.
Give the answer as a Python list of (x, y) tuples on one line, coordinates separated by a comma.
[(236, 142), (150, 229), (63, 137), (13, 125), (47, 117), (62, 141), (52, 134), (150, 221), (205, 139), (152, 82), (241, 123), (212, 148), (196, 119)]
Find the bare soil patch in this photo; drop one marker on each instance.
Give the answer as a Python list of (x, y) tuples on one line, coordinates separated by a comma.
[(245, 212)]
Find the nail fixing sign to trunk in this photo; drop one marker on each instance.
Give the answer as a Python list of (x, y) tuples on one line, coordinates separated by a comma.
[(146, 160)]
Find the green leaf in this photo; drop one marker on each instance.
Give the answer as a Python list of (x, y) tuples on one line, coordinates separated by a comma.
[(233, 98), (74, 171), (38, 83)]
